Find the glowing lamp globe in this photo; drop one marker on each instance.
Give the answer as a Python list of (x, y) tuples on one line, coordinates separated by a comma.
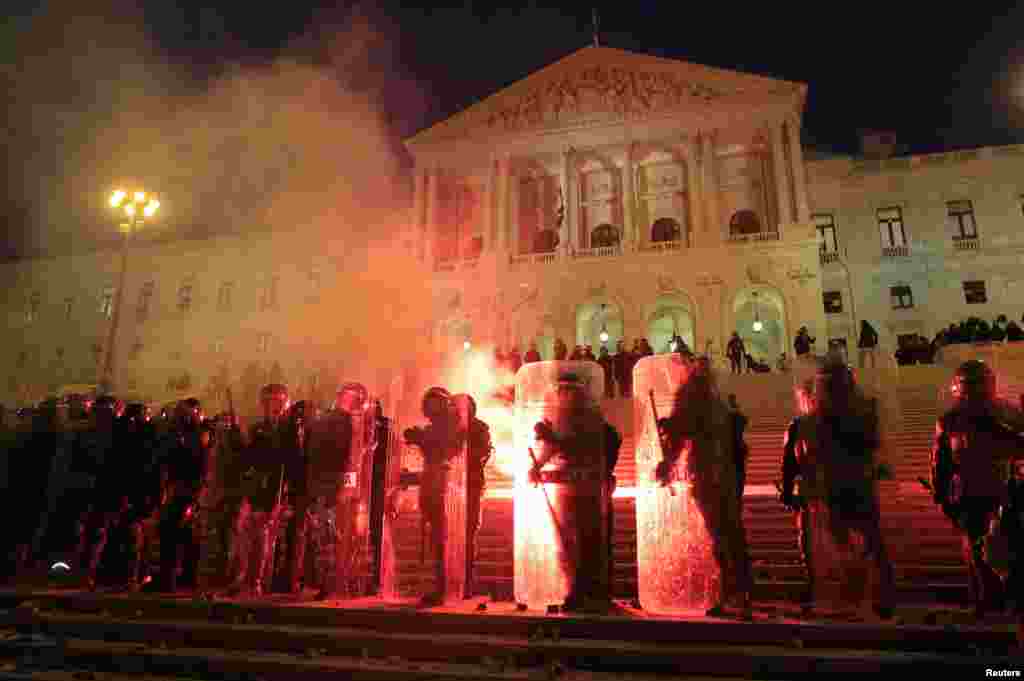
[(604, 336), (758, 326), (466, 345)]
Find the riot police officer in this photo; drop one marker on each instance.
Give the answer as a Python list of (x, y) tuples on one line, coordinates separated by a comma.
[(578, 451), (262, 474), (479, 450), (798, 467), (185, 467), (98, 449), (301, 417), (974, 444), (439, 442)]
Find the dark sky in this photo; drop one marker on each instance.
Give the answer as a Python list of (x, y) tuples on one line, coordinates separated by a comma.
[(932, 75), (939, 78)]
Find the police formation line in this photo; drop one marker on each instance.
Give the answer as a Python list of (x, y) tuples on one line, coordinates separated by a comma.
[(202, 488)]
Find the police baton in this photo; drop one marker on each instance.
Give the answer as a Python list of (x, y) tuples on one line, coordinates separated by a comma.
[(660, 438), (551, 508)]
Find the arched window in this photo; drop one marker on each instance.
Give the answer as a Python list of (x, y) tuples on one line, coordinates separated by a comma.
[(665, 229), (744, 222), (545, 241), (604, 236)]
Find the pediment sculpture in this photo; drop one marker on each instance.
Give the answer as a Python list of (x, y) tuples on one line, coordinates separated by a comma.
[(600, 90)]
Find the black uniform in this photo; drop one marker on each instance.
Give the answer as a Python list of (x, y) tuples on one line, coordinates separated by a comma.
[(186, 465)]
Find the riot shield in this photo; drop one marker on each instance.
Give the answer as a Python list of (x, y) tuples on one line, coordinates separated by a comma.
[(560, 523), (407, 568), (353, 562), (676, 566), (455, 519)]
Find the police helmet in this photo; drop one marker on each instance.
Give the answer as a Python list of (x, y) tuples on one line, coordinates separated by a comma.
[(975, 378), (433, 398), (303, 409), (470, 401), (274, 391), (137, 411)]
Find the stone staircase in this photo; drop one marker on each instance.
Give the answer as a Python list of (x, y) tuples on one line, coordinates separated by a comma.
[(923, 545)]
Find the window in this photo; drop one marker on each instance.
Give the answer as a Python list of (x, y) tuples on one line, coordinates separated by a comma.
[(22, 359), (145, 300), (826, 225), (902, 298), (97, 351), (107, 302), (960, 220), (136, 350), (665, 229), (833, 302), (224, 295), (269, 299), (60, 354), (459, 219), (185, 297), (604, 236), (890, 228), (661, 192), (35, 301), (600, 201), (974, 292), (69, 307), (263, 343), (744, 222), (218, 346)]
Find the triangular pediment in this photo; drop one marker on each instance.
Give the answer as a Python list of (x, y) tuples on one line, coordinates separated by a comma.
[(603, 84)]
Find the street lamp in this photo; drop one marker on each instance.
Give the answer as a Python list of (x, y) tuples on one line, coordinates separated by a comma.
[(135, 208)]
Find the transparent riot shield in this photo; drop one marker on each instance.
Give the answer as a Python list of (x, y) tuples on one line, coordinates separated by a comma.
[(560, 523), (455, 516), (677, 571), (407, 566), (353, 564)]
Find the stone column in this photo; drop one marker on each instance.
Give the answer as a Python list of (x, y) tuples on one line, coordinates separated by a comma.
[(487, 201), (709, 185), (501, 205), (565, 230), (796, 154), (416, 222), (433, 179), (629, 228), (694, 196), (781, 175)]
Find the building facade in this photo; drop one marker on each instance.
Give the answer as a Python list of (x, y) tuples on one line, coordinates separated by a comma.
[(621, 193), (609, 192)]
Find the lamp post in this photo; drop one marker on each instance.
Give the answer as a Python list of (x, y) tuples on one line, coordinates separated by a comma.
[(135, 208)]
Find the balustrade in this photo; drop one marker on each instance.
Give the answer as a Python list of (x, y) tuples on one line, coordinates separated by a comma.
[(895, 251), (756, 237)]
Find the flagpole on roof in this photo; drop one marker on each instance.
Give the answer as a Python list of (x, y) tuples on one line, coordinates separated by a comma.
[(597, 40)]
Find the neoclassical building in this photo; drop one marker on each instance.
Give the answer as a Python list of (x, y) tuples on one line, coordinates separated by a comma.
[(609, 191), (623, 193)]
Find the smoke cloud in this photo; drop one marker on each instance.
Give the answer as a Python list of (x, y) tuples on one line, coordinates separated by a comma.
[(304, 142)]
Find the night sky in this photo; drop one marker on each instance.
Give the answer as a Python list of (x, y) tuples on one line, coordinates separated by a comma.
[(939, 78)]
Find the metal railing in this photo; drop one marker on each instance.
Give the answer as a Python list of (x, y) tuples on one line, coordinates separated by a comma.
[(600, 252), (828, 257), (756, 237), (534, 259), (966, 243), (895, 251), (662, 246)]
